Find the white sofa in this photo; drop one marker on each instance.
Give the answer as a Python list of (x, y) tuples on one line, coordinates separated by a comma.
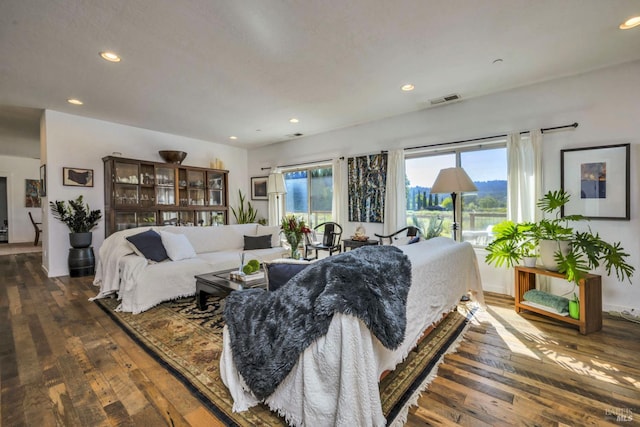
[(141, 284)]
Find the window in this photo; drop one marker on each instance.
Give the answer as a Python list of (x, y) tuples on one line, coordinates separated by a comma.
[(487, 168), (310, 194)]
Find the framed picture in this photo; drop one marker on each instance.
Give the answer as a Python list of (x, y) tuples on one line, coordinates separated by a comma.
[(43, 180), (77, 177), (259, 188), (598, 180), (32, 193)]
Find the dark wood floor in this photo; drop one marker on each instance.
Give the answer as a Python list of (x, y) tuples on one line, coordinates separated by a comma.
[(64, 362)]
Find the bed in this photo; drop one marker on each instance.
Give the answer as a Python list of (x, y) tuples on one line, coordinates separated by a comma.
[(335, 379)]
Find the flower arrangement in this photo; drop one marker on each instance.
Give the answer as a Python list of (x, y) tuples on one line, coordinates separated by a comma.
[(294, 229)]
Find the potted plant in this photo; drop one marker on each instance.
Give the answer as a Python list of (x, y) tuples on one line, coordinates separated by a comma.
[(79, 218), (241, 215), (574, 253)]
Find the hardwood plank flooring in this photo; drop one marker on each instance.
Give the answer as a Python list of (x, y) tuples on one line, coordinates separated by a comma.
[(64, 362)]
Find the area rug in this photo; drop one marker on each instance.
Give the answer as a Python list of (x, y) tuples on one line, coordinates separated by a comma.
[(188, 342)]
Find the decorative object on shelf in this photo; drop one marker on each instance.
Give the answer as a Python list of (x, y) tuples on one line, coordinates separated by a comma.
[(454, 181), (585, 250), (367, 176), (574, 307), (294, 230), (360, 234), (600, 176), (243, 216), (77, 177), (172, 156), (32, 193), (259, 188)]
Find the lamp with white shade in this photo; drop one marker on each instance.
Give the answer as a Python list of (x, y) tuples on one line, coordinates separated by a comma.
[(276, 185), (453, 181)]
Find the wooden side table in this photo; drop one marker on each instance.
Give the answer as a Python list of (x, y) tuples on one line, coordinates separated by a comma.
[(352, 244), (590, 298)]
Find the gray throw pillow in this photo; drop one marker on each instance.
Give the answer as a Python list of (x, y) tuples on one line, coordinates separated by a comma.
[(257, 242), (149, 243)]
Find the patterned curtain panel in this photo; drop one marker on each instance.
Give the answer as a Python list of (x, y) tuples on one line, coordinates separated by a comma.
[(367, 185)]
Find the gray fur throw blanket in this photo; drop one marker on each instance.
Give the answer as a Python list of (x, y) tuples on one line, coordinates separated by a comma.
[(269, 330)]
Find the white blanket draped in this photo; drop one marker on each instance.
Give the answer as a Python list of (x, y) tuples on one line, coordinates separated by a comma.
[(335, 381)]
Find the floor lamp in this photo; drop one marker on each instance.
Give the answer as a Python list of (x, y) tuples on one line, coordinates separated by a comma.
[(453, 181), (276, 185)]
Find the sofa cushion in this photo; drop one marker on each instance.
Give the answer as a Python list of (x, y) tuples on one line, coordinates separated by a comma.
[(280, 271), (213, 239), (149, 244), (257, 242), (274, 230), (177, 246)]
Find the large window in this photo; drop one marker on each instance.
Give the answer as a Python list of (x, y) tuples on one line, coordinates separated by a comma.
[(309, 194), (487, 168)]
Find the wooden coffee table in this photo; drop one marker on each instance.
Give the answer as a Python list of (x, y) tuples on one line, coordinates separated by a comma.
[(219, 282)]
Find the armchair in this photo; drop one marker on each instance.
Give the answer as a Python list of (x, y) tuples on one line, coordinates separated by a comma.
[(411, 232), (331, 233)]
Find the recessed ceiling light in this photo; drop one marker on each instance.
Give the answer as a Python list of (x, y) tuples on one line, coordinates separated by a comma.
[(630, 23), (74, 101), (293, 120), (408, 87), (110, 56), (233, 137)]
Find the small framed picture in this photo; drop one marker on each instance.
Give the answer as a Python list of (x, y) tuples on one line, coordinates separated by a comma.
[(259, 188), (598, 178), (43, 180), (77, 177)]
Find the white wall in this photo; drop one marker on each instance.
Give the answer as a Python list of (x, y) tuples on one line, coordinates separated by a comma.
[(17, 170), (604, 102), (80, 142)]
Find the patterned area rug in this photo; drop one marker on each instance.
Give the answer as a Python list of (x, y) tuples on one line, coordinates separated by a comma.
[(188, 342)]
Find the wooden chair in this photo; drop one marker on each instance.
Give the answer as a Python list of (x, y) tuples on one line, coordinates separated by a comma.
[(331, 233), (411, 231), (36, 226)]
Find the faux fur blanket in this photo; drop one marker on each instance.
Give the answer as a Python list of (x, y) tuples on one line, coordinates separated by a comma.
[(269, 330)]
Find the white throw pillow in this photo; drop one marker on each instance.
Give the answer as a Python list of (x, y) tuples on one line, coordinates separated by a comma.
[(177, 246)]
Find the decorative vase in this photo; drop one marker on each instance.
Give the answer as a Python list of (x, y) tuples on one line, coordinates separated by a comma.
[(548, 249), (574, 309), (80, 240), (294, 242)]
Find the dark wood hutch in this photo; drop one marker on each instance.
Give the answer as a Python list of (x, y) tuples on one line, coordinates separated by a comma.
[(139, 193)]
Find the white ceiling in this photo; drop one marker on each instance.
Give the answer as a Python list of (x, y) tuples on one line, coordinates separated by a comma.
[(209, 69)]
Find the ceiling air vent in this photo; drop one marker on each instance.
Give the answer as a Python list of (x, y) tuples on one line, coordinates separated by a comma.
[(294, 135), (445, 99)]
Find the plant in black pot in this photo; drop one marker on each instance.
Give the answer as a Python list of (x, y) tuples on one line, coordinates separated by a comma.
[(79, 218), (572, 252)]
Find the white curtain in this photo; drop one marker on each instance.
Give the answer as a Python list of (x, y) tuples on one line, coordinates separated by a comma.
[(395, 201), (524, 188), (524, 166), (339, 203)]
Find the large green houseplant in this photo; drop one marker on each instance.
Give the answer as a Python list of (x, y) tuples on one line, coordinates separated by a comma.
[(583, 251), (78, 217)]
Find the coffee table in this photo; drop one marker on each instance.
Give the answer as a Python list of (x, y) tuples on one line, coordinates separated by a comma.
[(219, 282)]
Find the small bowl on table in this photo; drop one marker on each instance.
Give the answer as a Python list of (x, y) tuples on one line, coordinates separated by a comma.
[(172, 156)]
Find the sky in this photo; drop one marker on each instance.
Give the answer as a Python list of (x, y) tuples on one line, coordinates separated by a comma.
[(481, 165)]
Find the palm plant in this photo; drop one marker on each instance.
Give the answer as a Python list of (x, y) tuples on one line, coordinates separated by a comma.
[(586, 250), (76, 215)]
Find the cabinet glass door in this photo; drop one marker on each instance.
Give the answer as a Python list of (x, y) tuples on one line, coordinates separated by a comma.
[(196, 185), (168, 218), (215, 189), (125, 220), (165, 186)]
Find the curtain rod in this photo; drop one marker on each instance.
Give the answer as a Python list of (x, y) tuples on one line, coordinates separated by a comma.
[(543, 130), (310, 163)]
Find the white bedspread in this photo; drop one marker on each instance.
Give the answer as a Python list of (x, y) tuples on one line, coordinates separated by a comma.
[(335, 381)]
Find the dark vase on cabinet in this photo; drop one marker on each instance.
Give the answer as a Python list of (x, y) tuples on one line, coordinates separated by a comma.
[(141, 193)]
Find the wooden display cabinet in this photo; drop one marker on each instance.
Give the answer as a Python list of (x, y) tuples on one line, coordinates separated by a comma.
[(590, 297), (140, 193)]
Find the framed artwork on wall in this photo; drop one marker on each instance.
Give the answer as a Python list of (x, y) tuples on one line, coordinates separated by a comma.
[(259, 188), (598, 180), (77, 177), (43, 180), (32, 193)]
